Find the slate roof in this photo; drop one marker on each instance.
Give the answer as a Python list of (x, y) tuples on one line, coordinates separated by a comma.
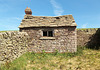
[(47, 21)]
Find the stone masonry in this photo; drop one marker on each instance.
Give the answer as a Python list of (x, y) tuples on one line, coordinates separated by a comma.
[(64, 39), (89, 37), (12, 45), (50, 33)]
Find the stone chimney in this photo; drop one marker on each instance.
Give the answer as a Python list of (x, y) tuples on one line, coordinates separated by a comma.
[(28, 11)]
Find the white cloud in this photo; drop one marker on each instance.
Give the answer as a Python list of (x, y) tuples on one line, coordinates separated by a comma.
[(84, 25), (57, 8)]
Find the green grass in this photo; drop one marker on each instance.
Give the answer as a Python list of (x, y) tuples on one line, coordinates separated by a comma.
[(84, 59), (8, 30), (86, 28), (3, 31)]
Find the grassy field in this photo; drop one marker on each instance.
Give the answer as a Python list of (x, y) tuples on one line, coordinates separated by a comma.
[(84, 59)]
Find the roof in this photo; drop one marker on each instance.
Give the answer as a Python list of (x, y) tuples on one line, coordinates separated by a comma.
[(47, 21)]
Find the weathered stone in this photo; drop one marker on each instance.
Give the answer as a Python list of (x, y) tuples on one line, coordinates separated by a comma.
[(44, 21), (63, 37), (12, 45), (88, 37)]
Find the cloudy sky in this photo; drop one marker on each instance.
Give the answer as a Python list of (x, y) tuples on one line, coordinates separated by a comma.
[(85, 12)]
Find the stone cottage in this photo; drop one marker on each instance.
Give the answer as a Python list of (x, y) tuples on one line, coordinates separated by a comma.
[(50, 33)]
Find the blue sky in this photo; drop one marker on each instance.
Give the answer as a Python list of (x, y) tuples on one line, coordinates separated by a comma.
[(85, 12)]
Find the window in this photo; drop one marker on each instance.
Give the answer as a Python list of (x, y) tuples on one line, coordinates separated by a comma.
[(57, 18), (48, 33)]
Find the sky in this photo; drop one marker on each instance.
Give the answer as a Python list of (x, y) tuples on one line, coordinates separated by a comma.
[(85, 12)]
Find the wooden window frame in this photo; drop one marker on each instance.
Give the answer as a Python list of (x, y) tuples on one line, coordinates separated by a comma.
[(48, 33)]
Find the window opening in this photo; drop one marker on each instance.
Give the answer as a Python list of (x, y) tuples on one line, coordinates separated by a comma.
[(48, 33)]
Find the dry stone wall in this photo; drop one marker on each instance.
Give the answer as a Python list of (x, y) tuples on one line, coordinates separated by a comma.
[(89, 37), (12, 45)]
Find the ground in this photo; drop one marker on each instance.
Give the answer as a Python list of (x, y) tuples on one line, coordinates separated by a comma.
[(84, 59)]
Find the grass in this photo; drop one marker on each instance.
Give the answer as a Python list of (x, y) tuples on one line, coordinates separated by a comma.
[(8, 30), (84, 59), (86, 28)]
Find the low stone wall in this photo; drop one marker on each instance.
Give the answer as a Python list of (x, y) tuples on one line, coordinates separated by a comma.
[(12, 45), (89, 37)]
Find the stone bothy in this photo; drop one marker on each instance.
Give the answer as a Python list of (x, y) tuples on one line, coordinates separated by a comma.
[(50, 33)]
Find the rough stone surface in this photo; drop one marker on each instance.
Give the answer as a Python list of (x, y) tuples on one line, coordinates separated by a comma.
[(64, 39), (47, 21), (12, 45), (88, 37), (64, 33)]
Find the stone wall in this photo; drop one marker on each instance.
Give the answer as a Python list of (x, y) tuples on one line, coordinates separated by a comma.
[(12, 45), (89, 37), (64, 39)]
